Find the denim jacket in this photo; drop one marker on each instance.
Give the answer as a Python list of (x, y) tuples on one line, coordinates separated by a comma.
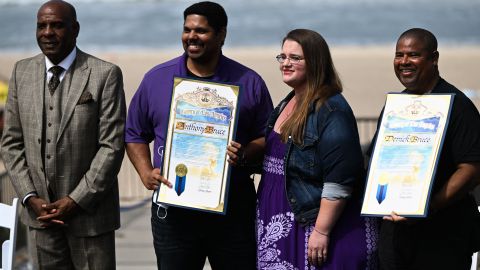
[(328, 164)]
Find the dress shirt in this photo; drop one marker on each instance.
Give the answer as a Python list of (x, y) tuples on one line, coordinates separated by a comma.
[(65, 64)]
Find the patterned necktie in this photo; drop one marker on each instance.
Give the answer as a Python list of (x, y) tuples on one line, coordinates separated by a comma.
[(55, 80)]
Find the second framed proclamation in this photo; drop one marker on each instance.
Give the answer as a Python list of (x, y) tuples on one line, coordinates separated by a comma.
[(404, 160)]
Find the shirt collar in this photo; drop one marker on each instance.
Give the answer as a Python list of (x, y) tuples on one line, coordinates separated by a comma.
[(220, 73), (66, 63)]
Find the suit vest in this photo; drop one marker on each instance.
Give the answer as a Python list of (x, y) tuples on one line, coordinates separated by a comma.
[(53, 107)]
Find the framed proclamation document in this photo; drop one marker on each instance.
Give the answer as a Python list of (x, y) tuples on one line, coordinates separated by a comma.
[(406, 153), (201, 124)]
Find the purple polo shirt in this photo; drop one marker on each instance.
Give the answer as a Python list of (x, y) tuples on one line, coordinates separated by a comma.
[(148, 112)]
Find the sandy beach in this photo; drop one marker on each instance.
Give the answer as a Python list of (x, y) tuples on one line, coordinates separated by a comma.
[(366, 72)]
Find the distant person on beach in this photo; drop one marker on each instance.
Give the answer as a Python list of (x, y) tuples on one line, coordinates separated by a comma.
[(309, 194), (63, 146), (184, 238), (450, 234)]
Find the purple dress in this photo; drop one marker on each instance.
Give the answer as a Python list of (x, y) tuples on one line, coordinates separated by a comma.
[(282, 242)]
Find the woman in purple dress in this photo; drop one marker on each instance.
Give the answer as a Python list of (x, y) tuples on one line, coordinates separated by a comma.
[(308, 214)]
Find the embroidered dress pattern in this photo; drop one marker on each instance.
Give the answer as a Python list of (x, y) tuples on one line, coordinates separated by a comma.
[(371, 238), (307, 235), (268, 253), (273, 165), (282, 243)]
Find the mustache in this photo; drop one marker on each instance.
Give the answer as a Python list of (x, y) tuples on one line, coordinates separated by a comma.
[(194, 42)]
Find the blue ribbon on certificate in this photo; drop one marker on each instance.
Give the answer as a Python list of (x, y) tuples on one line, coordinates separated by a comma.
[(381, 193), (180, 178), (180, 184)]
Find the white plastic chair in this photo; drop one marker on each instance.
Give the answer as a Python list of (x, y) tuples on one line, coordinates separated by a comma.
[(474, 261), (9, 217)]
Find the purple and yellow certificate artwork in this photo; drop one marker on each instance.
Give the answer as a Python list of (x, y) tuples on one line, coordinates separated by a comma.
[(201, 124), (406, 153)]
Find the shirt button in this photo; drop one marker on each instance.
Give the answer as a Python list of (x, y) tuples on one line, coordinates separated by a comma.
[(48, 141), (49, 124), (292, 200), (303, 219), (48, 156), (41, 169), (51, 108), (39, 141)]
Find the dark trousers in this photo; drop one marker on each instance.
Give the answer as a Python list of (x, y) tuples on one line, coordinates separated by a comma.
[(445, 240), (185, 238)]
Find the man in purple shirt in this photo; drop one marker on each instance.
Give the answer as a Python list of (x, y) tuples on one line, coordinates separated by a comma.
[(184, 238)]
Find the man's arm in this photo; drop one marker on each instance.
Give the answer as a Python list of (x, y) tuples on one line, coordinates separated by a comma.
[(12, 145), (252, 153), (462, 181), (139, 155), (108, 159), (13, 153)]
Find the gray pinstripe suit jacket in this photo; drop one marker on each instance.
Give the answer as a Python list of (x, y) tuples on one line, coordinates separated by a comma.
[(89, 148)]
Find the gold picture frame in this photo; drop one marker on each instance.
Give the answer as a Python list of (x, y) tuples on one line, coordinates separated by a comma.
[(405, 156), (202, 122)]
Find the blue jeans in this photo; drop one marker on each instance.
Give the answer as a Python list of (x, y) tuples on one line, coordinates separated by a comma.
[(185, 238)]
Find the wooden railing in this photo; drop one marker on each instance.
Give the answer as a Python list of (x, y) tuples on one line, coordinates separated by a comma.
[(366, 129)]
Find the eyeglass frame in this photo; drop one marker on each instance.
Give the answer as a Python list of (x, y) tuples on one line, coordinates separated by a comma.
[(282, 58)]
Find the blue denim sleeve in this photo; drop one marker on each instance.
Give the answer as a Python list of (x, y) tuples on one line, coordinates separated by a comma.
[(341, 155)]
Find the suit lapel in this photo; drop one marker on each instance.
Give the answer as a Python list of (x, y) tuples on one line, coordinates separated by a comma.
[(80, 76), (38, 90)]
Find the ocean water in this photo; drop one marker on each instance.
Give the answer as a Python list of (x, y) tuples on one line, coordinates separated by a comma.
[(124, 25)]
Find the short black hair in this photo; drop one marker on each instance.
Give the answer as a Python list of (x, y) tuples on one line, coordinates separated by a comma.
[(215, 14), (426, 37)]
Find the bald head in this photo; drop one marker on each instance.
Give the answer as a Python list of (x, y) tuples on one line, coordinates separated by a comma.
[(65, 6), (422, 36)]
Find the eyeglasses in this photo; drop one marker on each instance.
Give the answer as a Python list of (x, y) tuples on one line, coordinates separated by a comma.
[(293, 59)]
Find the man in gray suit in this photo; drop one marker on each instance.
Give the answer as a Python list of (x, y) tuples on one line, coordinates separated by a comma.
[(63, 146)]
